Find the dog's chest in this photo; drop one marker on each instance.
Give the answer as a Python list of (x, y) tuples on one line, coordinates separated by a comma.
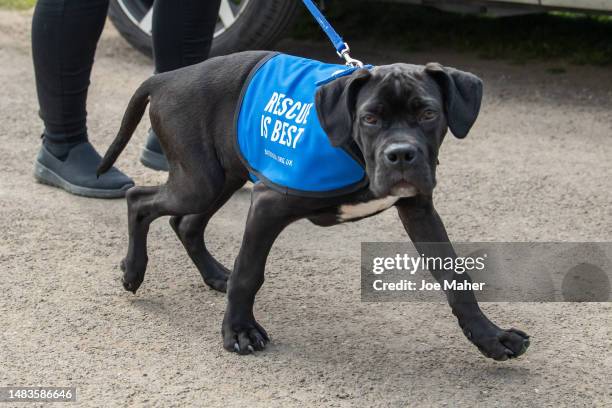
[(347, 212)]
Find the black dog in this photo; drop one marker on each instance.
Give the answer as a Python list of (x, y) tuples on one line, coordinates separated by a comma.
[(397, 115)]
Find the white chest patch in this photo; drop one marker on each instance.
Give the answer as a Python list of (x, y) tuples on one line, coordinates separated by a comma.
[(352, 211)]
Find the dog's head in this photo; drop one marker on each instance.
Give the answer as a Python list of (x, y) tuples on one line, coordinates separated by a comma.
[(398, 116)]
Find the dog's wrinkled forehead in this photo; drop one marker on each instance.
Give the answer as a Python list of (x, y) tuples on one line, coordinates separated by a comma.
[(403, 84)]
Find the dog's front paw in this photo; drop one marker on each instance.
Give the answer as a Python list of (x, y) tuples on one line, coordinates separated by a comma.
[(497, 343), (244, 337)]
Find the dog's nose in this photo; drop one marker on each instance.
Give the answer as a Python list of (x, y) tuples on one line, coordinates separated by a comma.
[(400, 154)]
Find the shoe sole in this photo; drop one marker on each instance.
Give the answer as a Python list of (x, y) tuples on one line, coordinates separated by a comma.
[(46, 176), (153, 160)]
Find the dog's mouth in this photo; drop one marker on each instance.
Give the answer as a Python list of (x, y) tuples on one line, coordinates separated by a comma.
[(402, 184), (403, 188)]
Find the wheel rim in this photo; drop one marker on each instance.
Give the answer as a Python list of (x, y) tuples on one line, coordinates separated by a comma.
[(140, 12)]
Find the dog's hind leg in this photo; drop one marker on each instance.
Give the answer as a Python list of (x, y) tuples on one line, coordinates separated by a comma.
[(181, 195), (190, 230), (139, 219)]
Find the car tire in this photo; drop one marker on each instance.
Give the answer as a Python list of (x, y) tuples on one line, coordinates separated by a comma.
[(258, 24)]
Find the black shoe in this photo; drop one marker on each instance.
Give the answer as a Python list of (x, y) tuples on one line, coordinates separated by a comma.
[(76, 173), (152, 155)]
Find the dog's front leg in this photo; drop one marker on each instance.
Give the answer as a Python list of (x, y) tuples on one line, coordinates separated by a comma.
[(268, 215), (427, 232)]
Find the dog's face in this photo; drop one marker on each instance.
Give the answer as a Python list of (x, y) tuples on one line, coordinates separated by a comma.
[(398, 116)]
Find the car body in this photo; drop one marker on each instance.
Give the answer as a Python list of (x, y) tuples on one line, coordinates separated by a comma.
[(514, 7), (258, 24)]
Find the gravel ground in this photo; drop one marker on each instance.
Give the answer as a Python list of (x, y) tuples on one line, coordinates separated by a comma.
[(537, 166)]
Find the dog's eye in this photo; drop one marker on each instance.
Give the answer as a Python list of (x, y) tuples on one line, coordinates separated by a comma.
[(370, 119), (428, 115)]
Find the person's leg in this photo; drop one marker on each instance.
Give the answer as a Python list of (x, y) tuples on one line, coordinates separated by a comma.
[(182, 35), (64, 38), (183, 32)]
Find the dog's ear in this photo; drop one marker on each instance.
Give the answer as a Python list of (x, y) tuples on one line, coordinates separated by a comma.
[(462, 94), (335, 104)]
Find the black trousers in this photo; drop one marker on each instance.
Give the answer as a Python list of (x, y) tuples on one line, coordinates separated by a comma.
[(65, 34)]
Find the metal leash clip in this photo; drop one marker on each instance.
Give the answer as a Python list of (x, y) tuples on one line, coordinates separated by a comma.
[(342, 48), (350, 61)]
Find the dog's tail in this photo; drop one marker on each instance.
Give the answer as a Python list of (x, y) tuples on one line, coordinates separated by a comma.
[(132, 116)]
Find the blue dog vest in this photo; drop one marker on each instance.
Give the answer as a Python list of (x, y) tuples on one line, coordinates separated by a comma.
[(278, 133)]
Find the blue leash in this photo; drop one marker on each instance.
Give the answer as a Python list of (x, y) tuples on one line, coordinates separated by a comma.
[(341, 47)]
